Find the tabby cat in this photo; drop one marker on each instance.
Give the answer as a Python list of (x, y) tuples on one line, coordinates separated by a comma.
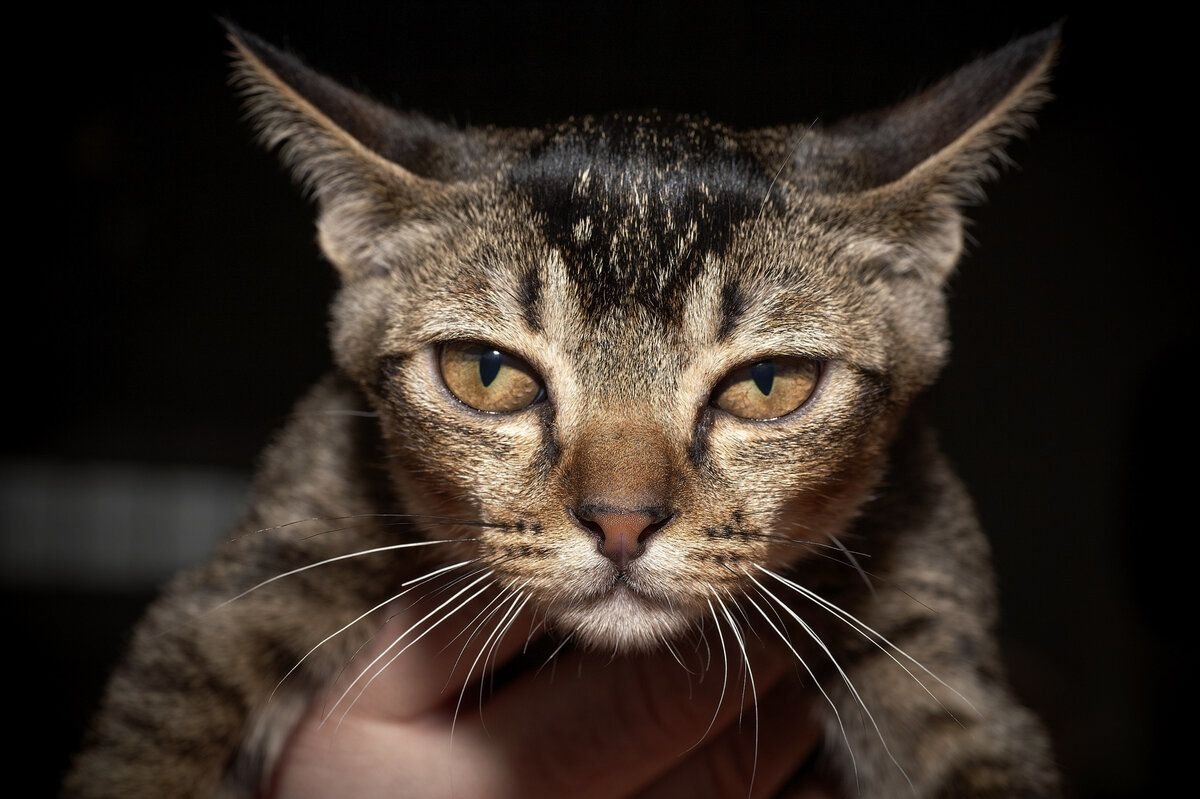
[(646, 376)]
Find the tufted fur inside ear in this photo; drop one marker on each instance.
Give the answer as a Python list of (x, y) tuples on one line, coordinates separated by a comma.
[(335, 139), (949, 135), (900, 176)]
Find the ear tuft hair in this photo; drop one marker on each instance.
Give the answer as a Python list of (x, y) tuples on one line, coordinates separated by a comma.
[(899, 177), (333, 139), (950, 137)]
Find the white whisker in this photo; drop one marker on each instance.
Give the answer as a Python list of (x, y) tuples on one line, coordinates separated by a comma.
[(408, 517), (498, 602), (295, 522), (442, 589), (770, 187), (334, 560), (862, 629), (358, 414), (400, 638), (496, 651), (475, 625), (533, 628), (414, 583), (667, 645), (845, 678), (787, 641), (553, 654), (737, 634), (358, 650), (516, 597), (410, 644), (703, 639), (724, 672), (742, 612), (850, 556)]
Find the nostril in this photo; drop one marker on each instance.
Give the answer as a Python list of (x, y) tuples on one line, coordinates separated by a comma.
[(584, 520), (621, 533), (654, 527)]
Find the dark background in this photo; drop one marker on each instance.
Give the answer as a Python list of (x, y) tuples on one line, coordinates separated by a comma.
[(178, 302)]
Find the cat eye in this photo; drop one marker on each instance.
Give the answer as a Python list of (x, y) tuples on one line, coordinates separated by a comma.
[(767, 389), (488, 379)]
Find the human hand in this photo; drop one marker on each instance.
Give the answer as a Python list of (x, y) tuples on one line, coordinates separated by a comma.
[(593, 727)]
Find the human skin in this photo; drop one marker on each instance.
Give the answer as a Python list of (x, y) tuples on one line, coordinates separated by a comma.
[(592, 726)]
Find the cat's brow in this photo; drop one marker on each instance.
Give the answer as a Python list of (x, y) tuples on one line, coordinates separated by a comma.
[(529, 295), (638, 210), (733, 308)]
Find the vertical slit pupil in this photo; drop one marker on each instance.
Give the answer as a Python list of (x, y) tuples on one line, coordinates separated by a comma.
[(489, 366), (763, 375)]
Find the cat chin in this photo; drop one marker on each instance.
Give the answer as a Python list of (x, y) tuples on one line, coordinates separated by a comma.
[(623, 622)]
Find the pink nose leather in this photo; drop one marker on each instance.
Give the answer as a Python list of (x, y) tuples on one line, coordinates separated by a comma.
[(622, 533)]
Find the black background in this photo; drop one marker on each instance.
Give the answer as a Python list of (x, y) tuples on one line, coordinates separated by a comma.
[(178, 301)]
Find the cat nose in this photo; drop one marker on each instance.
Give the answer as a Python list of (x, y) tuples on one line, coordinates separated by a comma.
[(622, 532)]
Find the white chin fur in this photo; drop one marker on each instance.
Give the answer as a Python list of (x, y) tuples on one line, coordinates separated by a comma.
[(622, 622)]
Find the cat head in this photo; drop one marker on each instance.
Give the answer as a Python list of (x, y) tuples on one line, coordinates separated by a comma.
[(651, 351)]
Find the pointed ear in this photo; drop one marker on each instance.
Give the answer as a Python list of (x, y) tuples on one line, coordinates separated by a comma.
[(900, 176), (336, 140), (950, 135)]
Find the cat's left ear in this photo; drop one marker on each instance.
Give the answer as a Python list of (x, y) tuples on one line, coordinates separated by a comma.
[(907, 170)]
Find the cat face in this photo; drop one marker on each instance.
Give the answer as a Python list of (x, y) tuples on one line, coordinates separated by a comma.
[(648, 352)]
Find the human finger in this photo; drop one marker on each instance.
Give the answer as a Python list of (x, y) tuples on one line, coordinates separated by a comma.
[(373, 758), (749, 759), (614, 730)]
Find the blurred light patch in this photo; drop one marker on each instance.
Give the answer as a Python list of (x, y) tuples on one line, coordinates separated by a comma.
[(111, 526)]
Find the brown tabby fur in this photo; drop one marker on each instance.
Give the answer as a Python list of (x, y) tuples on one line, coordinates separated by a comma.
[(632, 261)]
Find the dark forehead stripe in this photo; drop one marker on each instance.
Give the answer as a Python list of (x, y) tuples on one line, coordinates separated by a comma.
[(635, 204), (733, 307), (529, 295)]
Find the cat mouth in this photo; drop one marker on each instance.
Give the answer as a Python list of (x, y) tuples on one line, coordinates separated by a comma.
[(623, 615), (625, 585)]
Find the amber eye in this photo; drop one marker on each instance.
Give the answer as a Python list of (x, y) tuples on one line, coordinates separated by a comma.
[(489, 379), (767, 389)]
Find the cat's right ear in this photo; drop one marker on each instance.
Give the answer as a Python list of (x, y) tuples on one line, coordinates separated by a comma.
[(347, 150)]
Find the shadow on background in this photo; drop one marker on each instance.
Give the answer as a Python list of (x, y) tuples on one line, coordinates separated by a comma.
[(184, 306)]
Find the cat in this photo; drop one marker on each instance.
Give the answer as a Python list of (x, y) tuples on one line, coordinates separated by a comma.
[(639, 367)]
